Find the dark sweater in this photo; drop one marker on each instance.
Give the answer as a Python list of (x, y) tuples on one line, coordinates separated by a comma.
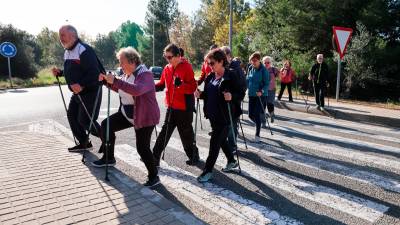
[(81, 67), (320, 77)]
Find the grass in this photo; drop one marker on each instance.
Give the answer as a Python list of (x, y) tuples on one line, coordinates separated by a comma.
[(43, 78)]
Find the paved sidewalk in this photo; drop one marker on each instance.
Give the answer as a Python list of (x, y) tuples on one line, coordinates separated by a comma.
[(41, 183)]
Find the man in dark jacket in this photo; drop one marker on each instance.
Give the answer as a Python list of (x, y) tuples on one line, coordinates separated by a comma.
[(81, 72), (319, 77), (240, 85)]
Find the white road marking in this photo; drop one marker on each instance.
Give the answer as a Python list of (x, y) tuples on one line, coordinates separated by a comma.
[(346, 203), (223, 202)]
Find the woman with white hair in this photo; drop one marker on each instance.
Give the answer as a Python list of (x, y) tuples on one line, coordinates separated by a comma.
[(138, 109), (273, 73)]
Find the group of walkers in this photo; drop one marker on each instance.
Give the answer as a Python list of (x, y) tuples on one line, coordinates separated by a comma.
[(224, 89)]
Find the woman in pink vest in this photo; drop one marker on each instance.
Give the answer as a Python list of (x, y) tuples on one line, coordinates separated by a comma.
[(287, 76)]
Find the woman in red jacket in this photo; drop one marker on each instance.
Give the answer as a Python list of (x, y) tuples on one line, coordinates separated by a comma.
[(287, 76), (178, 79)]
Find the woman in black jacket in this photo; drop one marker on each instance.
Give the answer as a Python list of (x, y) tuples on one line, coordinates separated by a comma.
[(218, 93)]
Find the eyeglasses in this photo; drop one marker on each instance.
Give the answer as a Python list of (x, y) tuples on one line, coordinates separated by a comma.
[(168, 57), (254, 60), (211, 63), (267, 62)]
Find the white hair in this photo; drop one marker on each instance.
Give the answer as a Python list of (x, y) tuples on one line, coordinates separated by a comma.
[(71, 29), (268, 58), (130, 54)]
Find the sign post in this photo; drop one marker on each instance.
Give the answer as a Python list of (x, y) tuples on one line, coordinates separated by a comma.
[(8, 50), (342, 38)]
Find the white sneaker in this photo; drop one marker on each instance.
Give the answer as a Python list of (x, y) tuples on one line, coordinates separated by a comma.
[(257, 138)]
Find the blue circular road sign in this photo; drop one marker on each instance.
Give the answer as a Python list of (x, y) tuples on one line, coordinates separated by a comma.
[(8, 49)]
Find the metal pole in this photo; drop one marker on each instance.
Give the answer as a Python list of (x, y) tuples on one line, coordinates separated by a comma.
[(230, 23), (107, 132), (338, 80), (9, 71), (234, 136), (153, 42)]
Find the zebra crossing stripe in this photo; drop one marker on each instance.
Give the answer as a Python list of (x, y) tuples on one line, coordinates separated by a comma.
[(371, 160), (223, 202), (343, 140), (318, 164), (346, 203), (344, 130), (356, 126)]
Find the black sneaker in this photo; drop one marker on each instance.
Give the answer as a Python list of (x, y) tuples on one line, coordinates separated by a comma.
[(81, 147), (102, 163), (151, 182)]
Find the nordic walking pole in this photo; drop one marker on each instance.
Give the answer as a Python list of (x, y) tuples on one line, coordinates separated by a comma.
[(233, 132), (195, 123), (107, 132), (244, 137), (262, 107), (242, 113), (195, 128), (201, 122), (327, 93), (65, 105), (168, 120), (91, 118), (86, 110)]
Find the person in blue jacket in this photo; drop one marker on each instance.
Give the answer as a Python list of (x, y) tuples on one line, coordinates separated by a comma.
[(257, 83)]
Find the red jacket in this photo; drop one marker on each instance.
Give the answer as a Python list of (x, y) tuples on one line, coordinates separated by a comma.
[(287, 76), (183, 97), (205, 70)]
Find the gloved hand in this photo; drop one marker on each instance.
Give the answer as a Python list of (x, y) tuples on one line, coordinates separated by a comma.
[(177, 82)]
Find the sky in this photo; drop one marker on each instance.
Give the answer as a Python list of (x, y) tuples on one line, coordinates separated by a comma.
[(88, 16)]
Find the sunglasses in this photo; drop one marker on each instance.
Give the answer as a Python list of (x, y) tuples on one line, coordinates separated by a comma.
[(267, 62), (168, 57)]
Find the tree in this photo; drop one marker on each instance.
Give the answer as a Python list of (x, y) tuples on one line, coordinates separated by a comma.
[(24, 64), (126, 35), (181, 33), (160, 14), (106, 47), (51, 51), (211, 26)]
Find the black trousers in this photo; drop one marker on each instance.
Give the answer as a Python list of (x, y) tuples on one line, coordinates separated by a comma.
[(256, 112), (183, 121), (118, 122), (218, 140), (320, 94), (143, 138), (79, 120), (283, 86)]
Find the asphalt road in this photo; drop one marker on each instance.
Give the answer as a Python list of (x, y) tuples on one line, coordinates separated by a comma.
[(313, 170)]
